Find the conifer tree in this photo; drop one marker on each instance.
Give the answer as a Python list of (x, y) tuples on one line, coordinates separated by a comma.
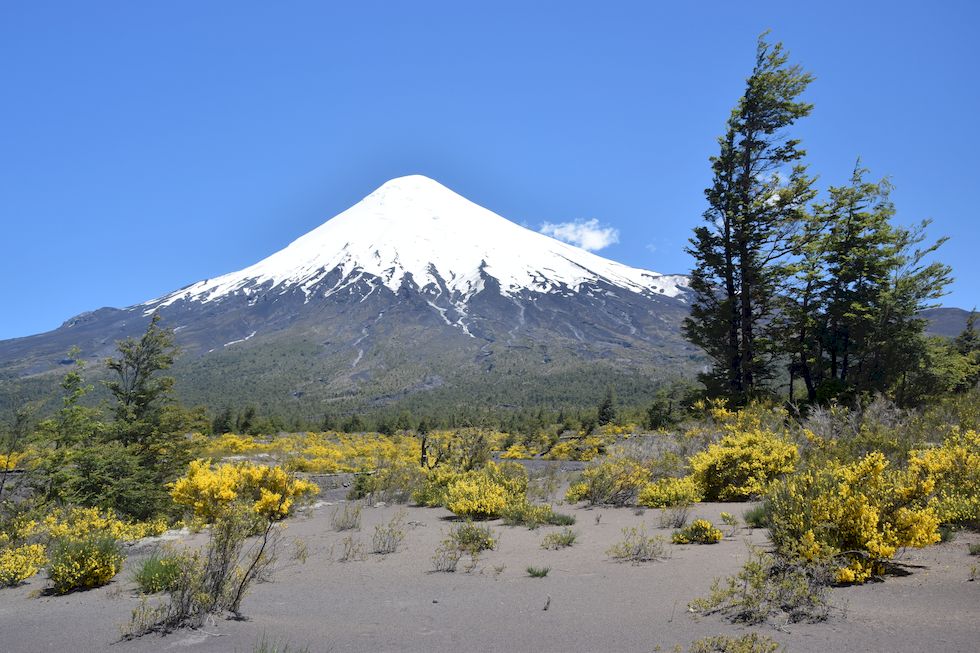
[(757, 203)]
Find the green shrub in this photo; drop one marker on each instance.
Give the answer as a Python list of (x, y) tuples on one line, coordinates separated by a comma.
[(464, 539), (748, 643), (391, 482), (757, 516), (770, 587), (84, 563), (157, 573), (563, 538), (616, 482), (524, 513), (537, 572), (701, 531), (974, 549)]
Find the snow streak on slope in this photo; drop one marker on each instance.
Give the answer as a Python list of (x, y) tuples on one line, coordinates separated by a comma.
[(415, 226)]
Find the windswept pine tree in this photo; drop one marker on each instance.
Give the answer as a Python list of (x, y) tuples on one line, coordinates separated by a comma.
[(757, 203)]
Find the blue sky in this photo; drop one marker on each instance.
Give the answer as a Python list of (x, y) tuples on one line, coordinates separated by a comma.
[(147, 145)]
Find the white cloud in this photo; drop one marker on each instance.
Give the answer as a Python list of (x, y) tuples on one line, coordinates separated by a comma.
[(587, 234)]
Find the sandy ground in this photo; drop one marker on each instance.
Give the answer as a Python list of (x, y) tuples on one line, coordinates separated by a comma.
[(396, 603)]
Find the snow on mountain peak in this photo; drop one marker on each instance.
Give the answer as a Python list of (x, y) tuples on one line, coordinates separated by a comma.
[(415, 226)]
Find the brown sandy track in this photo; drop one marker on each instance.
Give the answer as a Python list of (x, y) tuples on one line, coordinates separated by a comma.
[(395, 603)]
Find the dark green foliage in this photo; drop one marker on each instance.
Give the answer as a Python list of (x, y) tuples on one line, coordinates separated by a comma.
[(537, 572), (607, 409), (852, 323), (139, 391), (157, 573), (123, 464), (757, 516), (756, 201)]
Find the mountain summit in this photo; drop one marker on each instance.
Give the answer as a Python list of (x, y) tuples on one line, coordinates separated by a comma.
[(412, 296), (413, 231)]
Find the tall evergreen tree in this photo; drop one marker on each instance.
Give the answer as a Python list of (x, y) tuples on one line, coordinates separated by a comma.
[(756, 203), (851, 315)]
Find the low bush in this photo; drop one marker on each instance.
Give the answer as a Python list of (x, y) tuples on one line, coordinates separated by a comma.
[(524, 513), (701, 531), (636, 547), (215, 579), (564, 538), (858, 514), (616, 481), (388, 536), (392, 482), (537, 572), (757, 516), (463, 539), (675, 516), (157, 573), (347, 518), (954, 470), (83, 563), (485, 493), (17, 564), (770, 588), (208, 490), (351, 549), (670, 491), (974, 549), (742, 464), (748, 643)]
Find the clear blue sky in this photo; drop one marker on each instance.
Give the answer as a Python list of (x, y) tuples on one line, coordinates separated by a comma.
[(147, 145)]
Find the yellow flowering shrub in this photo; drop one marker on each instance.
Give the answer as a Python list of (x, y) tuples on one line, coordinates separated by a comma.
[(701, 531), (79, 523), (17, 564), (742, 464), (954, 469), (83, 563), (9, 461), (581, 449), (209, 490), (435, 486), (517, 452), (669, 491), (485, 493), (615, 481), (856, 514)]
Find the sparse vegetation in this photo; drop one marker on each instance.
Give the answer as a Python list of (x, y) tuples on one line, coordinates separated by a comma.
[(387, 537), (347, 517), (537, 572), (747, 643), (636, 547), (564, 538), (769, 588)]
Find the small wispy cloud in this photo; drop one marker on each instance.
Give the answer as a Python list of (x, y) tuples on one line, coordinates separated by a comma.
[(587, 234)]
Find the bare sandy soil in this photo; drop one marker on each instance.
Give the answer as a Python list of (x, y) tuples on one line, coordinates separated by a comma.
[(396, 603)]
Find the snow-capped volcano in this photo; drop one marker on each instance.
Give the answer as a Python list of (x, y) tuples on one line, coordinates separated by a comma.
[(413, 229), (413, 296)]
